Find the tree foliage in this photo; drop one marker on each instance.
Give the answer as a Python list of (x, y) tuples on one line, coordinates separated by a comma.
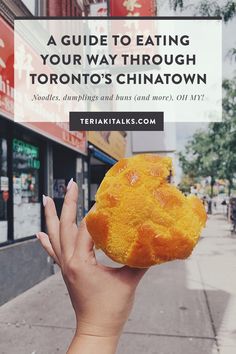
[(208, 8), (201, 158), (213, 152)]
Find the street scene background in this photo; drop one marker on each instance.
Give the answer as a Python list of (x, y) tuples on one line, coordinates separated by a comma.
[(182, 306)]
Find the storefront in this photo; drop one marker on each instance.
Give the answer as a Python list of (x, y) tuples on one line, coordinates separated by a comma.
[(30, 165), (105, 148), (35, 159)]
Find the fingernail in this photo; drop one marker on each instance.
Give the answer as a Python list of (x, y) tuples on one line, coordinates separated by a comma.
[(70, 183), (37, 235), (44, 200)]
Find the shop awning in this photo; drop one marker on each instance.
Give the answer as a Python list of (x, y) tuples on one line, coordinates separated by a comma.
[(102, 156)]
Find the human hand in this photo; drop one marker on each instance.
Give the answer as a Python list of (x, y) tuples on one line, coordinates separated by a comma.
[(101, 296)]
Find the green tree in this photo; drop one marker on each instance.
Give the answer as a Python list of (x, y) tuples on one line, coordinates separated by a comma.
[(226, 132), (200, 158), (208, 8), (213, 152)]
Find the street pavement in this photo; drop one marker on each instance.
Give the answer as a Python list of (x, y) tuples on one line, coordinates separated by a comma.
[(181, 307)]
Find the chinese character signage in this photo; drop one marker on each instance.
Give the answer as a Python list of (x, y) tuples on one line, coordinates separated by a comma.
[(98, 10), (61, 134), (23, 65), (132, 8)]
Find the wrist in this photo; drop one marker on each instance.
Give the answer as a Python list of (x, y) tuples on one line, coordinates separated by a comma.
[(90, 344), (100, 330)]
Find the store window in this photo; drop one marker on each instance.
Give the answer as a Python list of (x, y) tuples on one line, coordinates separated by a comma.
[(4, 190), (26, 198)]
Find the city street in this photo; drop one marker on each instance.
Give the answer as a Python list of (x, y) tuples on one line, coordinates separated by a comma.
[(181, 307)]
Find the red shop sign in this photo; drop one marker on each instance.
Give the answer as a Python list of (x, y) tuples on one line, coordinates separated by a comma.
[(132, 8), (57, 132), (6, 69), (60, 133)]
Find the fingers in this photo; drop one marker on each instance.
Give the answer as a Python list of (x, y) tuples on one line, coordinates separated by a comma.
[(84, 244), (52, 223), (45, 242), (68, 227), (69, 209)]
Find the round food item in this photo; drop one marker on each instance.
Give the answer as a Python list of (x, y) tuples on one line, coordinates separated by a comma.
[(141, 219)]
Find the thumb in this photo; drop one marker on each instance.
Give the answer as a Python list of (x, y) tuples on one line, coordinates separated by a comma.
[(133, 275)]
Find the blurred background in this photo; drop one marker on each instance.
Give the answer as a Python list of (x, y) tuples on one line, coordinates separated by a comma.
[(41, 158)]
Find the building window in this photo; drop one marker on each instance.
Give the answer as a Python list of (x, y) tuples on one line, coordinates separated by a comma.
[(4, 190), (26, 199)]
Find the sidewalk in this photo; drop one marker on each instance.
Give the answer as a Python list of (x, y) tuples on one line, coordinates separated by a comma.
[(181, 307)]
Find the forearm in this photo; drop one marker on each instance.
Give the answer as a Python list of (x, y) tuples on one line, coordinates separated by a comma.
[(88, 344)]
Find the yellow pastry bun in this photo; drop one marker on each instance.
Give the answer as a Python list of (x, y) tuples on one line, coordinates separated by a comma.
[(140, 218)]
